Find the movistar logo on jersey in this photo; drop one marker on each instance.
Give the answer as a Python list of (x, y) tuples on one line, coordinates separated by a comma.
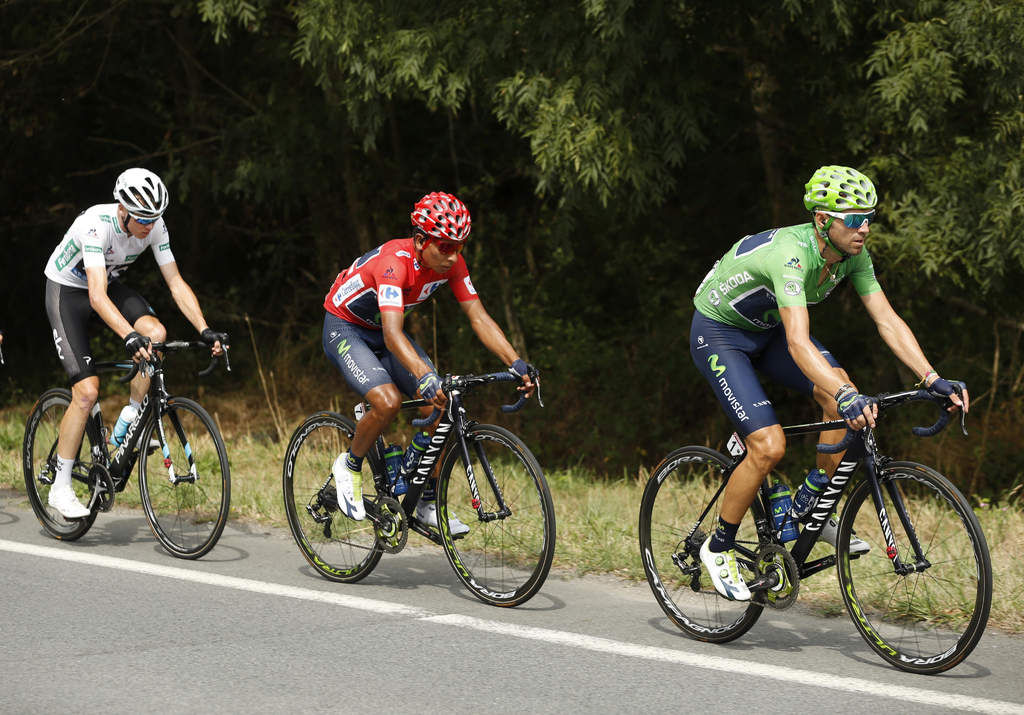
[(343, 347), (794, 262), (715, 367)]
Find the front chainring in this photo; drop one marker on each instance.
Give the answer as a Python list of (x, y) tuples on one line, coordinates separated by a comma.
[(102, 487), (390, 525), (772, 557)]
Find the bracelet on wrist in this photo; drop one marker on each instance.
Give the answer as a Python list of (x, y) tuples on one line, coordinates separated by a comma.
[(924, 379), (841, 390)]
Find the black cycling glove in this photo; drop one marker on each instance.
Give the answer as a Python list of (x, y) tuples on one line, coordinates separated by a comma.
[(133, 342), (210, 336)]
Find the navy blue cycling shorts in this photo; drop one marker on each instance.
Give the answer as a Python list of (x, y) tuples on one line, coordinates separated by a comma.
[(729, 359), (363, 358)]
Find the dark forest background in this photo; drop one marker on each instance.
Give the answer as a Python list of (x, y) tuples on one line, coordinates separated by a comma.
[(609, 151)]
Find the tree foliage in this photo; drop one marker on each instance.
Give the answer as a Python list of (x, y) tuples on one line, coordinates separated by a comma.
[(609, 150)]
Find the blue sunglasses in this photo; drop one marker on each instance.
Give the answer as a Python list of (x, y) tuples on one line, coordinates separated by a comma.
[(853, 220), (143, 221)]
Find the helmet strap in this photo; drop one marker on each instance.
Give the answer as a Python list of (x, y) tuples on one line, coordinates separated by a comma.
[(828, 240), (126, 219)]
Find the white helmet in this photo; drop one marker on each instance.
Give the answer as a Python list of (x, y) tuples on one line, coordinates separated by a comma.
[(141, 193)]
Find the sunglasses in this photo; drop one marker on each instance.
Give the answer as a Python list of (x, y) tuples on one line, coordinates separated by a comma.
[(449, 247), (853, 220), (143, 221)]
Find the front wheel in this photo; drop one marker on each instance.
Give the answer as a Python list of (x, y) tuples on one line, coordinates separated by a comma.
[(185, 484), (39, 461), (678, 512), (507, 554), (338, 547), (929, 619)]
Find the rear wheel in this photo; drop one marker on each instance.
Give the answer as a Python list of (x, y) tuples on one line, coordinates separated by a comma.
[(39, 460), (187, 498), (679, 510), (928, 620), (505, 559), (338, 547)]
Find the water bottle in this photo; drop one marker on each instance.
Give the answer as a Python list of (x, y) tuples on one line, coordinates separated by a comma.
[(393, 465), (808, 493), (126, 417), (781, 499), (414, 452)]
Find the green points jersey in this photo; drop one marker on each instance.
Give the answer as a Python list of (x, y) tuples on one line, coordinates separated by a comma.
[(774, 269)]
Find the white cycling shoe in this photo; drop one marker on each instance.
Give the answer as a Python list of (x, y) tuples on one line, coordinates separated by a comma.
[(63, 499), (724, 572), (426, 512), (830, 531), (350, 489)]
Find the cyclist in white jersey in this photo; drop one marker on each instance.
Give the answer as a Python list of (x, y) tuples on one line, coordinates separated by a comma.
[(82, 278)]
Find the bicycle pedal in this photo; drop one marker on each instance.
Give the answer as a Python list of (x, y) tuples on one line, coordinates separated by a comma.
[(762, 583)]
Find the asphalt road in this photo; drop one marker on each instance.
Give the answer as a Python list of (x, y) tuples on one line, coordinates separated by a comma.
[(113, 623)]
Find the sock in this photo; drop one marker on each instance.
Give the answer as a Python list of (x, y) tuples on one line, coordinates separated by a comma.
[(724, 536), (354, 463), (63, 478), (429, 491)]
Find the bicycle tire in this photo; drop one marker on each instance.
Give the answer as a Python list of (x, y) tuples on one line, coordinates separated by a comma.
[(39, 462), (504, 561), (188, 516), (681, 487), (928, 621), (339, 548)]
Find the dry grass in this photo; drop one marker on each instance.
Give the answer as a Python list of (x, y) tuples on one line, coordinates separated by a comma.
[(596, 515)]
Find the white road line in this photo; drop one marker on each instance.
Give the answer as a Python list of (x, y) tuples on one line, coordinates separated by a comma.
[(545, 635)]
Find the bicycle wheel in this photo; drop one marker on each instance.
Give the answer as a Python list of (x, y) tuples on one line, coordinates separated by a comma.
[(339, 548), (186, 499), (927, 621), (505, 560), (679, 510), (39, 460)]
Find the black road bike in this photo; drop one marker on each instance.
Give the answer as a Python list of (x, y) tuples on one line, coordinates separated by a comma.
[(920, 596), (507, 553), (184, 478)]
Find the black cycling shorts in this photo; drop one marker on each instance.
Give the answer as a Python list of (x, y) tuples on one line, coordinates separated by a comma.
[(69, 312)]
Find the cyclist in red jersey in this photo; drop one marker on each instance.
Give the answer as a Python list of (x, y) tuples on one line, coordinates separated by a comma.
[(363, 333)]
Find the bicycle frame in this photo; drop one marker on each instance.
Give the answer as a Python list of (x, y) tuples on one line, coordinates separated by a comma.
[(154, 403), (861, 449), (450, 433)]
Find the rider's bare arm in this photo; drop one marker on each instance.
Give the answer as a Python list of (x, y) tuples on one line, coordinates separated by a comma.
[(492, 336), (397, 344), (185, 299), (101, 303), (796, 321), (900, 339)]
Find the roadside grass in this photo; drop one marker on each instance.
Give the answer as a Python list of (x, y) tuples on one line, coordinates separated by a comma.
[(596, 514)]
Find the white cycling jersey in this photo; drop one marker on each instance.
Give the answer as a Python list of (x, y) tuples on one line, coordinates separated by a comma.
[(97, 238)]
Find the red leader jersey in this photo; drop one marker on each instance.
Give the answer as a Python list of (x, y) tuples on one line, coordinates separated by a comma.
[(390, 278)]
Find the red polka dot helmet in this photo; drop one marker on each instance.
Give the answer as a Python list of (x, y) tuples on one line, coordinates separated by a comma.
[(442, 216)]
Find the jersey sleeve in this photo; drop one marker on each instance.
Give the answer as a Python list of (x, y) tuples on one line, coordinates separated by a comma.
[(94, 245), (460, 282), (862, 274), (787, 280), (389, 274), (160, 243)]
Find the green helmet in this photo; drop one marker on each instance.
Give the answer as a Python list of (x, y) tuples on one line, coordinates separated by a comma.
[(839, 188)]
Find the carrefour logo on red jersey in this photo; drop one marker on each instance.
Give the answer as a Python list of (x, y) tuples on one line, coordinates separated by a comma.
[(469, 285), (429, 288), (389, 296)]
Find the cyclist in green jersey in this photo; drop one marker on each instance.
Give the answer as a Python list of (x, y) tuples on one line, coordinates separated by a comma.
[(751, 314)]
